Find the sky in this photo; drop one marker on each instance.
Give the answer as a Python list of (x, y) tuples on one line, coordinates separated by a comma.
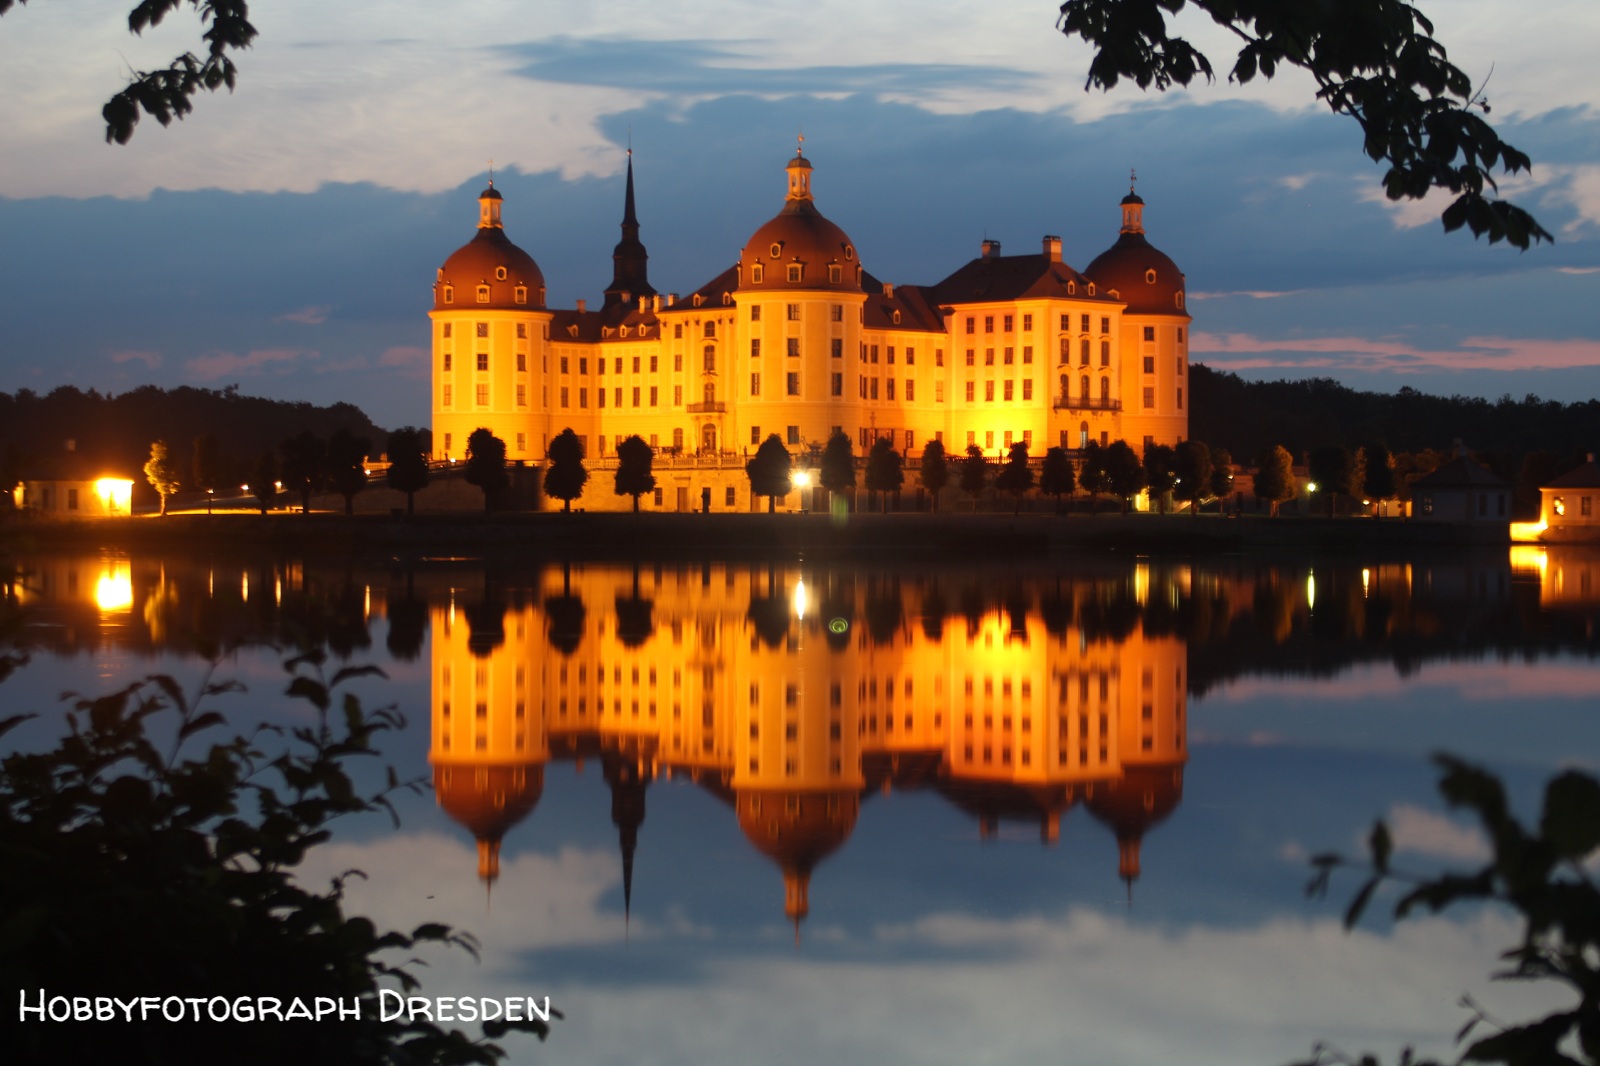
[(284, 237)]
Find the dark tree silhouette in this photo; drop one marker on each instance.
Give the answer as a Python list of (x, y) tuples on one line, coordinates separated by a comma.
[(634, 478), (347, 469), (769, 471), (1093, 474), (1125, 475), (565, 477), (1192, 465), (305, 462), (838, 471), (1332, 471), (1015, 476), (408, 464), (1275, 477), (1056, 476), (486, 465), (1160, 473), (934, 474), (209, 470), (1377, 474), (264, 480), (885, 470), (1221, 473), (974, 473)]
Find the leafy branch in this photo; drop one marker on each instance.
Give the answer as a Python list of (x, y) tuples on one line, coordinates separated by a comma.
[(1375, 61), (1541, 873)]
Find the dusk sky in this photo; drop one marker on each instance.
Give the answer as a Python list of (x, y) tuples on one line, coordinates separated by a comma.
[(284, 238)]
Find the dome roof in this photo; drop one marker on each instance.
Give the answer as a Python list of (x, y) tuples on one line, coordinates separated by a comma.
[(1142, 275), (800, 236), (487, 800), (490, 261)]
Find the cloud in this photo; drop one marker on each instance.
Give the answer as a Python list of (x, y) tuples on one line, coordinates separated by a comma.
[(1242, 351), (1430, 834), (227, 364), (411, 361), (1578, 270), (1254, 294), (1465, 682), (151, 360), (315, 315)]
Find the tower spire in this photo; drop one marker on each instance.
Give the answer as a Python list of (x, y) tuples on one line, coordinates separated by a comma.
[(629, 261)]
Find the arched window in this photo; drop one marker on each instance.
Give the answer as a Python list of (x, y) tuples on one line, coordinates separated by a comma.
[(1064, 387), (711, 359), (1105, 353), (1066, 349), (1083, 434), (1105, 390), (1083, 351), (711, 392), (1083, 386)]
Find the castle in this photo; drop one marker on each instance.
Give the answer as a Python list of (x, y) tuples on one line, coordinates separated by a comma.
[(798, 339)]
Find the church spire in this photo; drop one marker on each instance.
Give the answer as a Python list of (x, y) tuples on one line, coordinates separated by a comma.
[(629, 261)]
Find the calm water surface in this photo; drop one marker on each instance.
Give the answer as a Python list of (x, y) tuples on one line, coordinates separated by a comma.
[(792, 814)]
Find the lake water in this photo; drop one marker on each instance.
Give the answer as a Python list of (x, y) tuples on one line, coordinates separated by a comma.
[(787, 814)]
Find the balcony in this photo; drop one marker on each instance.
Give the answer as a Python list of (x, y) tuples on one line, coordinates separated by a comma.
[(1067, 403), (710, 407)]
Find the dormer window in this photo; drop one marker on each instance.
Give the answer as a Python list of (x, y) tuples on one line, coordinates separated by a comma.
[(483, 294), (520, 294), (1072, 288), (756, 274), (1149, 277), (499, 273), (1177, 299), (796, 271), (624, 331), (698, 300), (896, 318), (449, 294), (572, 330), (1091, 288), (776, 250), (849, 252), (835, 273)]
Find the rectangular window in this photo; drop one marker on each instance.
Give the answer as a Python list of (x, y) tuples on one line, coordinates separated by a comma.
[(447, 444), (988, 438), (1149, 333), (1105, 353), (755, 434), (911, 356), (888, 386), (836, 312), (1027, 388), (938, 392), (988, 391), (1180, 398), (677, 395), (710, 331), (1149, 396), (755, 312), (793, 312), (972, 391), (1180, 334), (972, 324), (794, 383), (911, 393), (447, 361), (483, 329), (796, 272), (583, 398), (563, 396), (636, 396), (636, 364), (794, 347), (1083, 323), (483, 361), (838, 348), (654, 396), (1009, 385), (873, 393), (794, 435), (522, 395), (677, 361), (874, 356), (972, 357), (1179, 362), (447, 329), (1009, 356), (447, 395), (677, 330), (938, 357), (617, 399), (522, 442), (522, 362), (988, 357), (838, 385), (755, 347), (1027, 355), (988, 323), (483, 396), (1149, 364), (1027, 323), (563, 364), (600, 396), (728, 498), (1007, 325), (888, 355), (755, 384)]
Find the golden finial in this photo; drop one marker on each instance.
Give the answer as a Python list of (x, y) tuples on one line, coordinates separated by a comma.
[(800, 143), (1133, 178), (491, 173)]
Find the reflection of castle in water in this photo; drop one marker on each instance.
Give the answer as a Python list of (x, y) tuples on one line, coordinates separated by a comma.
[(791, 701)]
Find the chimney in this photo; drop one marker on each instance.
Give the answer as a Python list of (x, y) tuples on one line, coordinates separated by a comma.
[(583, 305), (672, 298), (888, 290), (655, 302), (1052, 248), (991, 249)]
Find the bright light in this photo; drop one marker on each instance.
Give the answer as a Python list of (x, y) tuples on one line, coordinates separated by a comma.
[(1311, 486), (1366, 582), (1311, 590), (800, 600), (116, 494), (800, 479), (114, 590), (1527, 532)]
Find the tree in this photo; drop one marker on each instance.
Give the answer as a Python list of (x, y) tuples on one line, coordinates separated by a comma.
[(1331, 471), (1015, 476), (934, 474), (1056, 476), (1093, 474), (565, 477), (974, 473), (305, 463), (1160, 473), (161, 472), (264, 480), (208, 470), (1124, 473), (1377, 474), (1221, 473), (1274, 476), (769, 471), (1544, 875), (838, 464), (408, 465), (885, 469), (1191, 462), (347, 465), (1373, 60), (634, 458), (486, 465), (140, 863)]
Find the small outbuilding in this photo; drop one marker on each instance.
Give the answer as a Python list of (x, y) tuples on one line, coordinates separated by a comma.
[(1571, 504), (1462, 491)]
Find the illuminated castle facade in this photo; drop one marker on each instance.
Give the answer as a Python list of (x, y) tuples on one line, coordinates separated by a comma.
[(798, 339)]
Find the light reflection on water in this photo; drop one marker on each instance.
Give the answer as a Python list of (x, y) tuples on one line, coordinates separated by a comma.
[(1002, 814)]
